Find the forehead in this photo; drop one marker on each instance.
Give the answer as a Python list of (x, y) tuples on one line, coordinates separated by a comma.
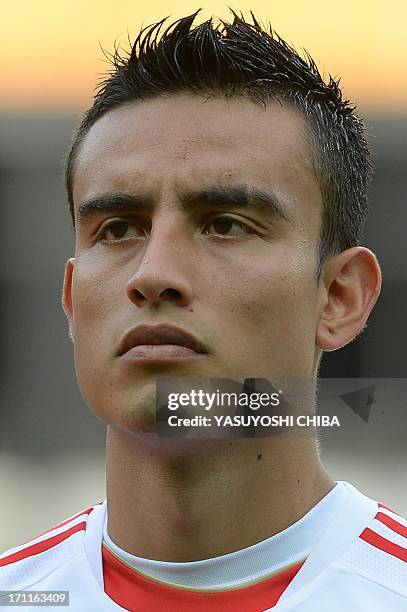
[(186, 141)]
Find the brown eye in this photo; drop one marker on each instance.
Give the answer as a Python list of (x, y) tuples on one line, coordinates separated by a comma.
[(116, 230), (226, 226), (119, 230)]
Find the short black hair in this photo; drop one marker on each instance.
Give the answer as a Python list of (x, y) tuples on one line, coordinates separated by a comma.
[(247, 60)]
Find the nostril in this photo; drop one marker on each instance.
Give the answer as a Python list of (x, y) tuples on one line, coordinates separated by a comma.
[(172, 294), (154, 288), (137, 296)]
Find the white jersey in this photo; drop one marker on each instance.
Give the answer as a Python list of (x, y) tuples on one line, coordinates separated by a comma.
[(358, 564)]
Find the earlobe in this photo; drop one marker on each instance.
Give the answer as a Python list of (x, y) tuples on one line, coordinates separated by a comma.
[(352, 282), (67, 303)]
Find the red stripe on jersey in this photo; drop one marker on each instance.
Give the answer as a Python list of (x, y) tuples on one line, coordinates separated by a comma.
[(87, 511), (40, 547), (373, 538), (392, 524), (133, 591), (387, 508)]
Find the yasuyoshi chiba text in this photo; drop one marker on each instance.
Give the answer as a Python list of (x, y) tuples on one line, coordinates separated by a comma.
[(254, 420)]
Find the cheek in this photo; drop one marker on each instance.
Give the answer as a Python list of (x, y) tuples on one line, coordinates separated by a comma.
[(96, 296), (274, 290), (96, 290), (268, 313)]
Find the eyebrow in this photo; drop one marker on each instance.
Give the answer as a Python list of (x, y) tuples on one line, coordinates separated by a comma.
[(240, 196), (111, 202)]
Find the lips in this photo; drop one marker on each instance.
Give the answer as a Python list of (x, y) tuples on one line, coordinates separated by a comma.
[(164, 334)]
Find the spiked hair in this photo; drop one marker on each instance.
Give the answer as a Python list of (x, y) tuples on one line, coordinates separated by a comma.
[(244, 59)]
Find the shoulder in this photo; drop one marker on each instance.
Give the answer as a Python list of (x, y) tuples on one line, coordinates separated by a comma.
[(379, 554), (26, 565)]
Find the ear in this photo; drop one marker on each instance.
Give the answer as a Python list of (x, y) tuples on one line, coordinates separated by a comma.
[(67, 294), (351, 285)]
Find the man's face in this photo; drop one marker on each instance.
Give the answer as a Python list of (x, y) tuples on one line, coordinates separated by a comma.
[(200, 214)]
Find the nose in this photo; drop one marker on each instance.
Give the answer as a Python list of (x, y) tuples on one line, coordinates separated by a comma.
[(162, 275)]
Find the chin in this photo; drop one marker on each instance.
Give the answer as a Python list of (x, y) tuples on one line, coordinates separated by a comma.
[(140, 424)]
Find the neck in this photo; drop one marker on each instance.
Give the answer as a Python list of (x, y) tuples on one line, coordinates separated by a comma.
[(185, 500)]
